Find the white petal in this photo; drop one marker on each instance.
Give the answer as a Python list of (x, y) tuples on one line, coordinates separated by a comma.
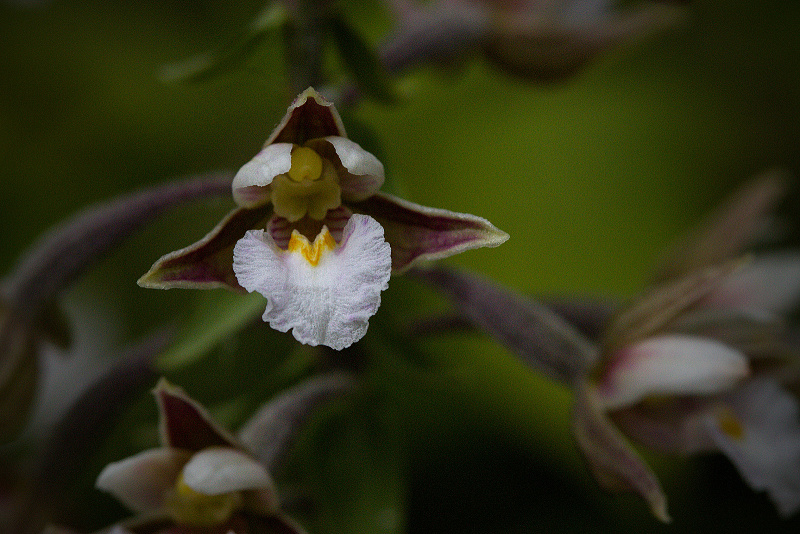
[(766, 449), (219, 470), (325, 304), (670, 365), (141, 481), (366, 170), (770, 283), (250, 182)]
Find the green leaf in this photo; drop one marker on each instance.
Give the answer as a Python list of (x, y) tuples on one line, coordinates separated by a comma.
[(362, 62), (218, 315), (204, 66)]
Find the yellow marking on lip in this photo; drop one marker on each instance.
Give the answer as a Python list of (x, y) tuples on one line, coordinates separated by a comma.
[(312, 252), (306, 165), (730, 425)]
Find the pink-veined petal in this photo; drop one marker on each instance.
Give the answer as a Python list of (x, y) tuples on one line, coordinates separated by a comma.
[(327, 303), (219, 470), (250, 185), (141, 481), (760, 434), (420, 233), (670, 365), (361, 174), (614, 462), (281, 229), (770, 283)]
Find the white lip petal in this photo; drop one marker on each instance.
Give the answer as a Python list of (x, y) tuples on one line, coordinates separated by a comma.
[(249, 184), (141, 481), (328, 303), (219, 470), (670, 365), (766, 450)]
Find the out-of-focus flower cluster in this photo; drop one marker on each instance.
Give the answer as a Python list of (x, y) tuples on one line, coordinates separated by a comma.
[(699, 362)]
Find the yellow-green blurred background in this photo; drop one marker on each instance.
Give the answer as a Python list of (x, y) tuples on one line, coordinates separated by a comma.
[(592, 178)]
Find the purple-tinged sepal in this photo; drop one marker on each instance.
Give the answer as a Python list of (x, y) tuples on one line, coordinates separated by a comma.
[(310, 116), (419, 233), (208, 263), (185, 424), (614, 462)]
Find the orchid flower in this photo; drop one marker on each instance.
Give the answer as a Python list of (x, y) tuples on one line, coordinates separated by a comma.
[(313, 233), (201, 477), (697, 363), (686, 367)]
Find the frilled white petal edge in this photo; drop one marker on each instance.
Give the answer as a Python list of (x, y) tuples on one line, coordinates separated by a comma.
[(670, 365), (765, 442), (325, 304), (366, 170), (771, 283), (141, 481), (219, 470), (249, 183)]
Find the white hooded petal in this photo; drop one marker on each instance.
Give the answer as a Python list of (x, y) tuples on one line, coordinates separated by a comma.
[(365, 173), (219, 470), (670, 365), (327, 301), (771, 283), (141, 481), (760, 434), (250, 183)]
